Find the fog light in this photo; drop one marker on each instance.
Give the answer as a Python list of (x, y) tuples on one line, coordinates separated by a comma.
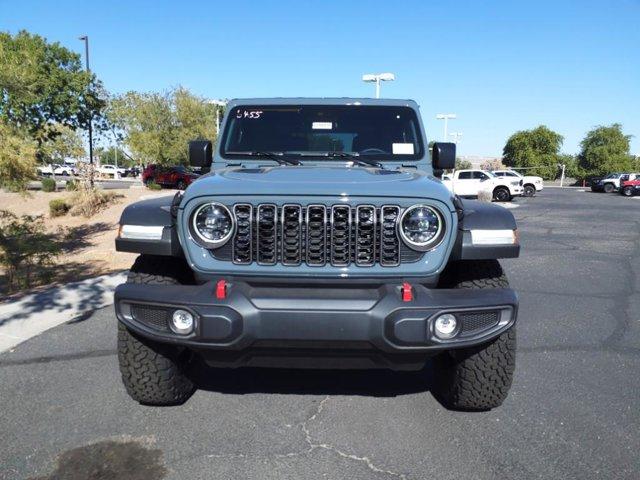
[(445, 325), (182, 322)]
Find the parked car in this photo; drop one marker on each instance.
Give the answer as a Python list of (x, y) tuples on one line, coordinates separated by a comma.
[(56, 169), (530, 183), (468, 183), (319, 248), (178, 176), (112, 171), (608, 184), (631, 186)]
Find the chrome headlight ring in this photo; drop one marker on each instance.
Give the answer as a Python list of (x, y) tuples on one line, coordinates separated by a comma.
[(434, 240), (217, 209)]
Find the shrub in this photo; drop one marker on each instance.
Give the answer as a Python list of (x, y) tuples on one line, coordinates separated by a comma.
[(89, 201), (71, 186), (58, 207), (48, 185), (154, 186), (26, 250)]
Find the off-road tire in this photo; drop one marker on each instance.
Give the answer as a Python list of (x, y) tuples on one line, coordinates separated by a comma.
[(627, 191), (501, 194), (529, 191), (181, 185), (154, 373), (609, 187), (476, 378)]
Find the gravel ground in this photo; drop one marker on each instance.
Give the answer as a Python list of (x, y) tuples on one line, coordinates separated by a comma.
[(572, 412)]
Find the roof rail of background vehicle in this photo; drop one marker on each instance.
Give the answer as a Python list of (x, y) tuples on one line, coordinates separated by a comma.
[(323, 101)]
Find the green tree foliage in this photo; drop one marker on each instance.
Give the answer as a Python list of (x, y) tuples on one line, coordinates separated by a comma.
[(604, 150), (108, 156), (63, 143), (463, 164), (539, 148), (43, 83), (158, 126), (17, 158)]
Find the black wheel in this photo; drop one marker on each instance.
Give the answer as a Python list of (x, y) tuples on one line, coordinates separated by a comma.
[(476, 378), (627, 191), (154, 373), (181, 185), (501, 194), (609, 187), (65, 173), (529, 191)]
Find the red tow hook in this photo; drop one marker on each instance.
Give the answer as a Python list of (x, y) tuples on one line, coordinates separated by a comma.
[(407, 292), (221, 289)]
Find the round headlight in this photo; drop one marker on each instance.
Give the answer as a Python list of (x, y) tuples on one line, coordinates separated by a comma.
[(213, 224), (421, 227)]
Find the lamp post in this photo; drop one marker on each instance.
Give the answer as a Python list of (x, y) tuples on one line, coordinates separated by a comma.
[(446, 117), (456, 137), (377, 78), (85, 39), (218, 104)]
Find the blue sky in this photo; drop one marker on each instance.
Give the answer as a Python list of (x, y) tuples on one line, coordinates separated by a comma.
[(501, 66)]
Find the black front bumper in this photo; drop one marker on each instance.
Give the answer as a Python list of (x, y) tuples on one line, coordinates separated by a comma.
[(329, 327)]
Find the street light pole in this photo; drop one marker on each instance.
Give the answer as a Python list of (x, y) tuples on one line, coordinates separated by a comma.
[(85, 38), (456, 136), (377, 78), (218, 104), (445, 117)]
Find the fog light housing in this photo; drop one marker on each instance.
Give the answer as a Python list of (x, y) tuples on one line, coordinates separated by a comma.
[(445, 326), (182, 322)]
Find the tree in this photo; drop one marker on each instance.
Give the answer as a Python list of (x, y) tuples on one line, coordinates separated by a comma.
[(158, 126), (604, 150), (110, 155), (463, 164), (17, 158), (539, 148), (44, 83), (64, 143), (492, 164)]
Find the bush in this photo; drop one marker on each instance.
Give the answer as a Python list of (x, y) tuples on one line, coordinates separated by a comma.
[(25, 249), (58, 207), (48, 185), (89, 201), (153, 186), (71, 186)]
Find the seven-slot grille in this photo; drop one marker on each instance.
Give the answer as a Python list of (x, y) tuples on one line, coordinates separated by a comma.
[(318, 235)]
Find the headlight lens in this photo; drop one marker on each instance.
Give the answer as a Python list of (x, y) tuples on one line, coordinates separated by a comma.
[(213, 224), (421, 227)]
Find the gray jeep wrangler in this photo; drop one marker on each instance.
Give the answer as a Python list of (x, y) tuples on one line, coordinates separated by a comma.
[(321, 238)]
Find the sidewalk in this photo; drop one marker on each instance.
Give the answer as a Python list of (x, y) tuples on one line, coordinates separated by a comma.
[(37, 312)]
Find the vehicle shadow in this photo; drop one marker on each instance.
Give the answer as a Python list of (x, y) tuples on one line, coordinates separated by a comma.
[(373, 383)]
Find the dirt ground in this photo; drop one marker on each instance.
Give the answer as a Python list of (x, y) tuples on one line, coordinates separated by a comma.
[(89, 246)]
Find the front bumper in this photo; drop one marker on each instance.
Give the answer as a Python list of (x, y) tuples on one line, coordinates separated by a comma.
[(350, 327)]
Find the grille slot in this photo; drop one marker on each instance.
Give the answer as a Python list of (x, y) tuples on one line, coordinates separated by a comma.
[(316, 223), (153, 317), (365, 235), (340, 235), (476, 321), (291, 235), (389, 242), (267, 234), (242, 245)]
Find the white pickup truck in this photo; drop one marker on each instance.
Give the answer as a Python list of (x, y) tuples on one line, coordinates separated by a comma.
[(467, 183), (530, 183)]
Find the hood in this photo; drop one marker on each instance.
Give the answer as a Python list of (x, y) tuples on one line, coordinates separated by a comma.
[(321, 181)]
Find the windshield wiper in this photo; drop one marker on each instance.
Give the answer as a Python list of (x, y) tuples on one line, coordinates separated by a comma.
[(356, 159), (275, 156)]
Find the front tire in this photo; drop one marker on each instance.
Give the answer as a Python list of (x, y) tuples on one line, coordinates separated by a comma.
[(627, 191), (154, 373), (479, 377), (501, 194), (529, 191), (609, 187)]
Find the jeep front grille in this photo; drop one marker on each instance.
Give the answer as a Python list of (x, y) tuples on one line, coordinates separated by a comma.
[(316, 235)]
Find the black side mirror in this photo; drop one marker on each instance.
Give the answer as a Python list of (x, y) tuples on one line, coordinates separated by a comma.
[(200, 153), (443, 156)]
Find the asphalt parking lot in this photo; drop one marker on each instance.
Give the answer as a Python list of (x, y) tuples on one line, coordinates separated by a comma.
[(572, 412)]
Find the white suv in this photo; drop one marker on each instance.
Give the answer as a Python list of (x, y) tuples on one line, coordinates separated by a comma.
[(467, 183), (530, 184)]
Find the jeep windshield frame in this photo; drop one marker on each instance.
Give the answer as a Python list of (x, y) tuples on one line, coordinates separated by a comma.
[(377, 133)]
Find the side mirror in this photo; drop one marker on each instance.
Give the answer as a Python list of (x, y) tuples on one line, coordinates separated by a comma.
[(443, 156), (200, 153)]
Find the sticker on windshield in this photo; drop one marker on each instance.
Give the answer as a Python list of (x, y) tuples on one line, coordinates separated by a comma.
[(322, 125), (402, 148)]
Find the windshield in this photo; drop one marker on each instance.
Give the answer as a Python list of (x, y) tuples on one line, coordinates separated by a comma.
[(378, 132)]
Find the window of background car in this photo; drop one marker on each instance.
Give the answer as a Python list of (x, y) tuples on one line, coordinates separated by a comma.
[(380, 132)]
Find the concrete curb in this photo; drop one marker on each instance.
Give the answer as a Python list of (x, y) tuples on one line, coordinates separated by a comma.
[(33, 314)]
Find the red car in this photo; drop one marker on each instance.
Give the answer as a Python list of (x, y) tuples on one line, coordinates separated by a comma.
[(630, 188), (175, 177)]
